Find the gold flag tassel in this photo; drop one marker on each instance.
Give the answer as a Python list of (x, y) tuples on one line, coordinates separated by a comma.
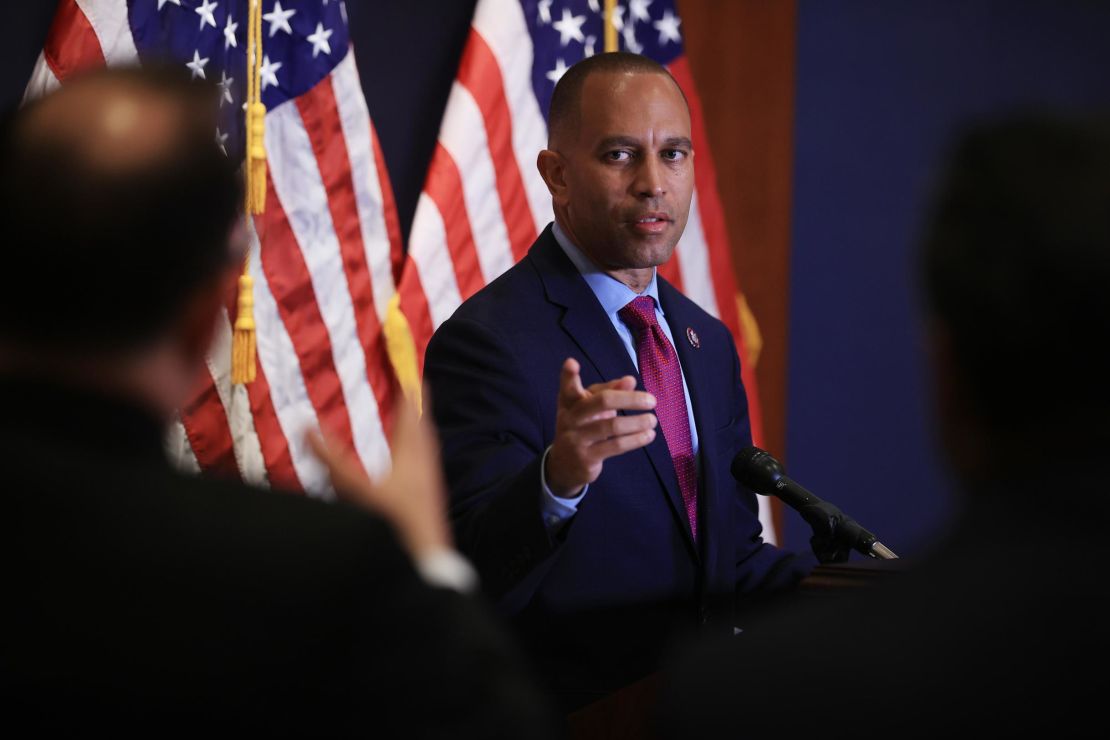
[(401, 348), (243, 340)]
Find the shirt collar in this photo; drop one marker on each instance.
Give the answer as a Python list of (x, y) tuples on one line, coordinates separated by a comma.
[(611, 293)]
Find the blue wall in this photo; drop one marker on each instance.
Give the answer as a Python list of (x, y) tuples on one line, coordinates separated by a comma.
[(881, 88)]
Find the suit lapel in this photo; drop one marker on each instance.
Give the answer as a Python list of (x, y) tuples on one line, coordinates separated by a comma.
[(583, 318), (587, 324)]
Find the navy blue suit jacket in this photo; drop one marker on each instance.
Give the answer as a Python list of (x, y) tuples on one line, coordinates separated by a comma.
[(602, 595)]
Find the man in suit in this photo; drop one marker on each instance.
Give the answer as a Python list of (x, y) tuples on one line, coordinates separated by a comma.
[(1000, 632), (602, 527), (146, 600)]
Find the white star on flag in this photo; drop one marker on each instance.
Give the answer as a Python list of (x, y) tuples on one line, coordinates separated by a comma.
[(618, 17), (668, 28), (570, 27), (221, 140), (319, 40), (630, 42), (590, 41), (225, 87), (560, 69), (279, 20), (206, 12), (639, 9), (163, 2), (229, 33), (268, 72), (594, 6), (197, 65), (545, 12)]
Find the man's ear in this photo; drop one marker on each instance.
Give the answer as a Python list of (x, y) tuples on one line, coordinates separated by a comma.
[(553, 171)]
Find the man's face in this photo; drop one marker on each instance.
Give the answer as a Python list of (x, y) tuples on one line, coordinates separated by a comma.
[(628, 171)]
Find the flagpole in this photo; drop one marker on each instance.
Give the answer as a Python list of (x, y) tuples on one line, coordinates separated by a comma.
[(610, 26)]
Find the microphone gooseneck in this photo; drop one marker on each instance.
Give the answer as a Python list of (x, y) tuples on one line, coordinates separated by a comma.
[(762, 473)]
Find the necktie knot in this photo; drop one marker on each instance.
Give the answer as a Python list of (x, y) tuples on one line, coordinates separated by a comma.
[(639, 314)]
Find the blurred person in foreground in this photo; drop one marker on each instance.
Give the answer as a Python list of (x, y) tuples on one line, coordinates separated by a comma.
[(138, 598), (1001, 629)]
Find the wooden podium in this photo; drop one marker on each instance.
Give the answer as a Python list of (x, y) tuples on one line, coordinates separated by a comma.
[(627, 714)]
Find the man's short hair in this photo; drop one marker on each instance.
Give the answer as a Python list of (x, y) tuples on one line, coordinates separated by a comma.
[(565, 110), (1017, 270), (102, 252)]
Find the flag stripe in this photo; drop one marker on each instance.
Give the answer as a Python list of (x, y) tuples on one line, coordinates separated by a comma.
[(275, 448), (443, 188), (109, 21), (462, 135), (291, 286), (480, 74), (280, 365), (177, 447), (295, 177), (207, 429), (320, 114), (429, 256), (414, 306), (71, 44), (389, 208), (373, 209), (501, 24), (693, 262), (245, 446)]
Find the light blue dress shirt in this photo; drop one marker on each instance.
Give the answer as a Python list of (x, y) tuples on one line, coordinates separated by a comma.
[(613, 295)]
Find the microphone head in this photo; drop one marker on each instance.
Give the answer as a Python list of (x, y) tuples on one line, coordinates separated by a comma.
[(756, 469)]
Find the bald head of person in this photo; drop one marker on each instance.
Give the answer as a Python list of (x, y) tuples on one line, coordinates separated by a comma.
[(619, 163), (121, 219)]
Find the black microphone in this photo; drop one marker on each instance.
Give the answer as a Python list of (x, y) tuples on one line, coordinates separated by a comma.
[(759, 471)]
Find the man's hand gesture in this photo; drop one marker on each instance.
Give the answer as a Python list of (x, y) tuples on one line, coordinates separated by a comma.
[(588, 429)]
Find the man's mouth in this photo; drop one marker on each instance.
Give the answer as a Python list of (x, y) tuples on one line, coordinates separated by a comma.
[(651, 223)]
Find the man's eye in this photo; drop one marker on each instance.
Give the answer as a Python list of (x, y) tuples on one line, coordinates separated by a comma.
[(674, 155), (618, 155)]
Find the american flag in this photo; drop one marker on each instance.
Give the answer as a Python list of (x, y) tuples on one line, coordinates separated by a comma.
[(325, 252), (483, 201)]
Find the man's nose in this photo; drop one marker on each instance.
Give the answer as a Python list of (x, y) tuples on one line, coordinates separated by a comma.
[(649, 179)]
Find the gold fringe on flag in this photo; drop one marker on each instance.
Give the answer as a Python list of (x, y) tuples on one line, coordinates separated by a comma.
[(401, 348), (243, 340), (749, 329)]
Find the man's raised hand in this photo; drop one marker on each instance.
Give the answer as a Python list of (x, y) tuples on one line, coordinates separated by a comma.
[(588, 429)]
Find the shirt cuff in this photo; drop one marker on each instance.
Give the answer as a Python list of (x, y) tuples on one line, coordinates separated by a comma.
[(556, 511), (447, 569)]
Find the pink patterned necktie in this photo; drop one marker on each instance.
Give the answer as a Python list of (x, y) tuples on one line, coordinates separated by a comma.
[(662, 377)]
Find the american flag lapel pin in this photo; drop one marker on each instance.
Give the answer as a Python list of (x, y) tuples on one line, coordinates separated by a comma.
[(692, 337)]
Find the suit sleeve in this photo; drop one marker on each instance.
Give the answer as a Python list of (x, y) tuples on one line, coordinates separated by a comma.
[(491, 430)]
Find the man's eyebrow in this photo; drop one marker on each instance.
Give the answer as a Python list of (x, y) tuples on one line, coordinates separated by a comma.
[(612, 142), (616, 141)]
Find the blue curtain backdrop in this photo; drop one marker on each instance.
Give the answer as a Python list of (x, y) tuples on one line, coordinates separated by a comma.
[(881, 87)]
